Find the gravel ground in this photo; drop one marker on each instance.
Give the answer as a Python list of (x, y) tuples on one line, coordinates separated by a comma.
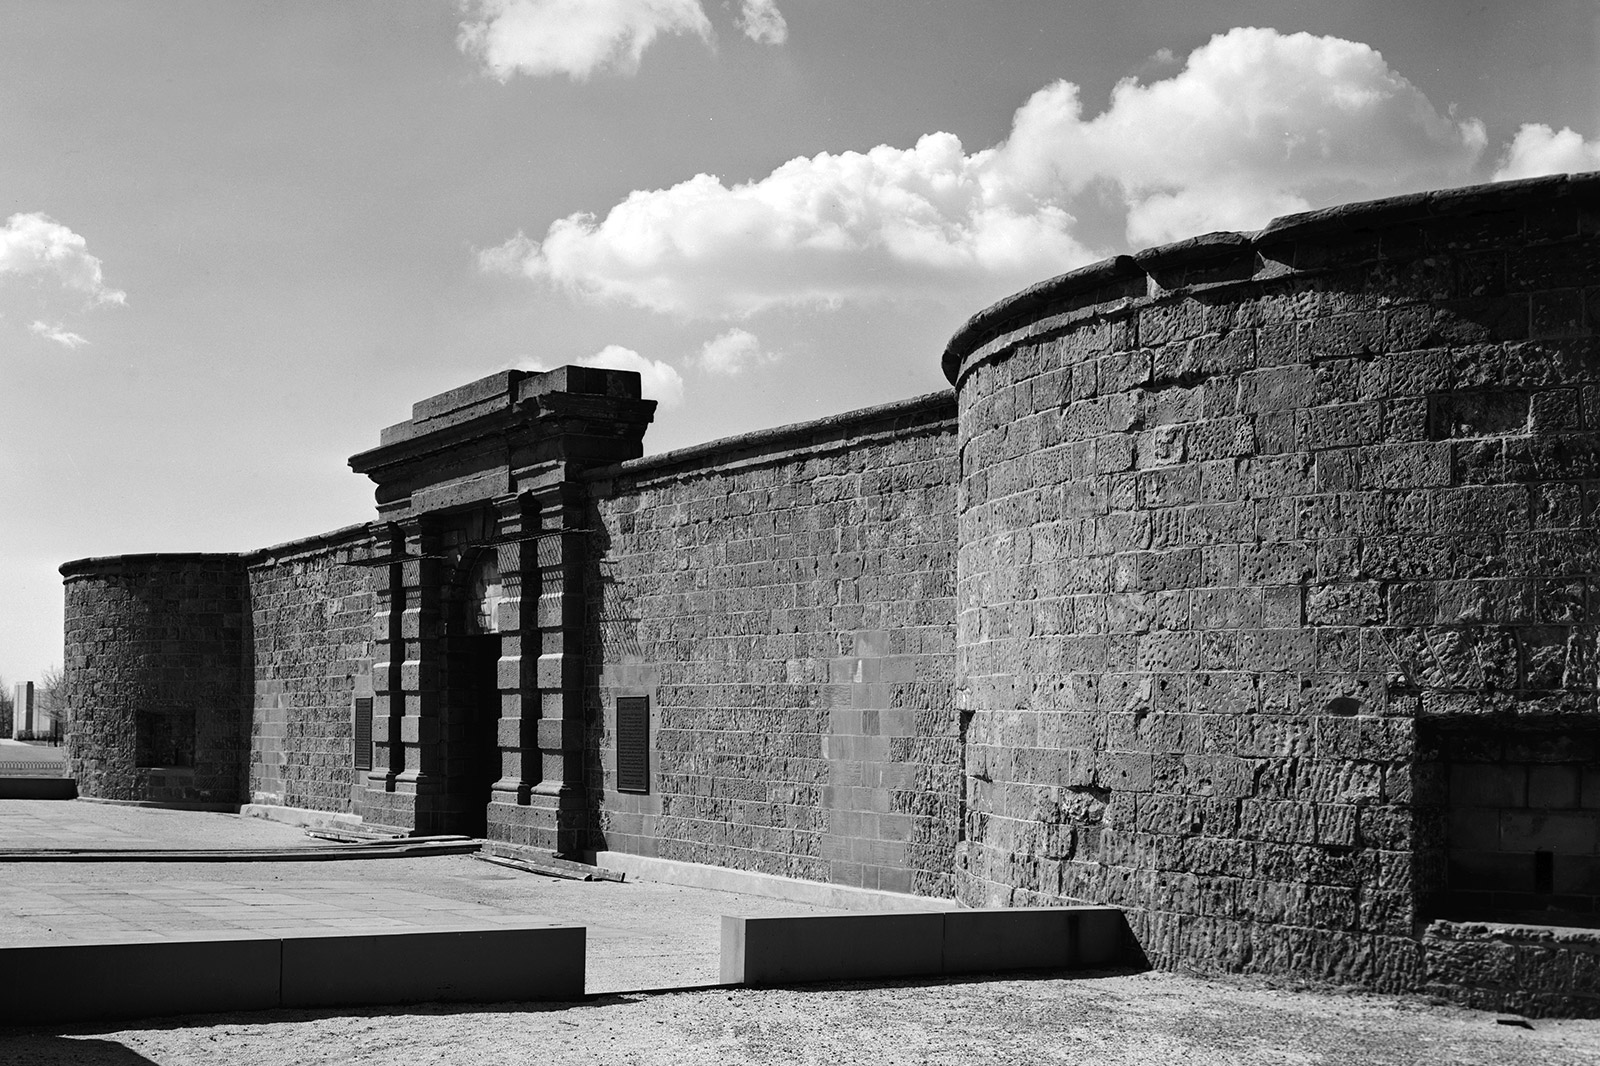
[(1147, 1019)]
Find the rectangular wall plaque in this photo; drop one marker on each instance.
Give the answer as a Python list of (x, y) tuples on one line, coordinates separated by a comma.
[(363, 733), (633, 743)]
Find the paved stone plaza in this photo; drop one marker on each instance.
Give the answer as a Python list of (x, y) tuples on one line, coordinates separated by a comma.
[(641, 935)]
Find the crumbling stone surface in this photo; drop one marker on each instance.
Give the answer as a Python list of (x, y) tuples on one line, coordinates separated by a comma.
[(311, 657), (1237, 520), (156, 679), (786, 602)]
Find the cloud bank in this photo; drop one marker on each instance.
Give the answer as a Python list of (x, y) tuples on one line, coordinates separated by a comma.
[(577, 38), (38, 247), (1255, 124), (762, 22), (46, 273), (1537, 149), (732, 351), (581, 38), (56, 333)]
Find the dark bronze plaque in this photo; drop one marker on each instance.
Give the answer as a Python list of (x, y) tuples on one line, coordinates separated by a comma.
[(363, 733), (633, 743)]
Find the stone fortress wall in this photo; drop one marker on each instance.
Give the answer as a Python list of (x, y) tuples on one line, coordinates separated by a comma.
[(311, 658), (787, 602), (1248, 584)]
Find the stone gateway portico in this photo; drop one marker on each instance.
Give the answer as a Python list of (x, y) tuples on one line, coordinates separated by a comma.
[(477, 631)]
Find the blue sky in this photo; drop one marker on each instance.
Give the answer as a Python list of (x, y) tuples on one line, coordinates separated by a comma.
[(240, 237)]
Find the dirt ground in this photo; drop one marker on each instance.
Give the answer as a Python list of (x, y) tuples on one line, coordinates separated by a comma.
[(1147, 1019)]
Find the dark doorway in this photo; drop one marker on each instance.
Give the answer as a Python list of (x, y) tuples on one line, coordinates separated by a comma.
[(476, 699)]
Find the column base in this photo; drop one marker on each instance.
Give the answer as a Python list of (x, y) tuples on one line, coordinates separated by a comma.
[(556, 822)]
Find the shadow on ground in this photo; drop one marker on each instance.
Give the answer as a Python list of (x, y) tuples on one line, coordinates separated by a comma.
[(44, 1049)]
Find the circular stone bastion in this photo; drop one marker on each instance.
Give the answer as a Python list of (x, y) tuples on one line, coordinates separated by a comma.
[(156, 664), (1276, 593)]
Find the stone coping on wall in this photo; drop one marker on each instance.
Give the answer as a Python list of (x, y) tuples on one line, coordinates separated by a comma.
[(1312, 241), (100, 565), (930, 411), (344, 537)]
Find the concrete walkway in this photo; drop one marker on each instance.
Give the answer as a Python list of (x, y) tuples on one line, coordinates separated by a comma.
[(641, 935)]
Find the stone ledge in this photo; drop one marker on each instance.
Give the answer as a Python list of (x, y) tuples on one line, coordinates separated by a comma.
[(166, 805), (303, 817), (1537, 970)]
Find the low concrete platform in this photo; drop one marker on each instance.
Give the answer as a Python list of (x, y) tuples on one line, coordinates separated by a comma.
[(206, 974), (798, 949), (30, 787)]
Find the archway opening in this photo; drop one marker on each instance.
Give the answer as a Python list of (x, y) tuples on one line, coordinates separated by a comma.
[(473, 699)]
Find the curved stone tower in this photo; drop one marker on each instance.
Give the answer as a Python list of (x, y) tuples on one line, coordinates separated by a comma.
[(1277, 583), (156, 676)]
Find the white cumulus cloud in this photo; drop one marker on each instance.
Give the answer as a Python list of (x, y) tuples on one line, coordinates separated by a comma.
[(733, 350), (572, 37), (36, 246), (888, 223), (1255, 124), (1537, 150), (58, 334), (762, 22), (658, 380)]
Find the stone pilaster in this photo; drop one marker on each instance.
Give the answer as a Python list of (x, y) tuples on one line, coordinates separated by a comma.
[(519, 708), (407, 686), (559, 676)]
